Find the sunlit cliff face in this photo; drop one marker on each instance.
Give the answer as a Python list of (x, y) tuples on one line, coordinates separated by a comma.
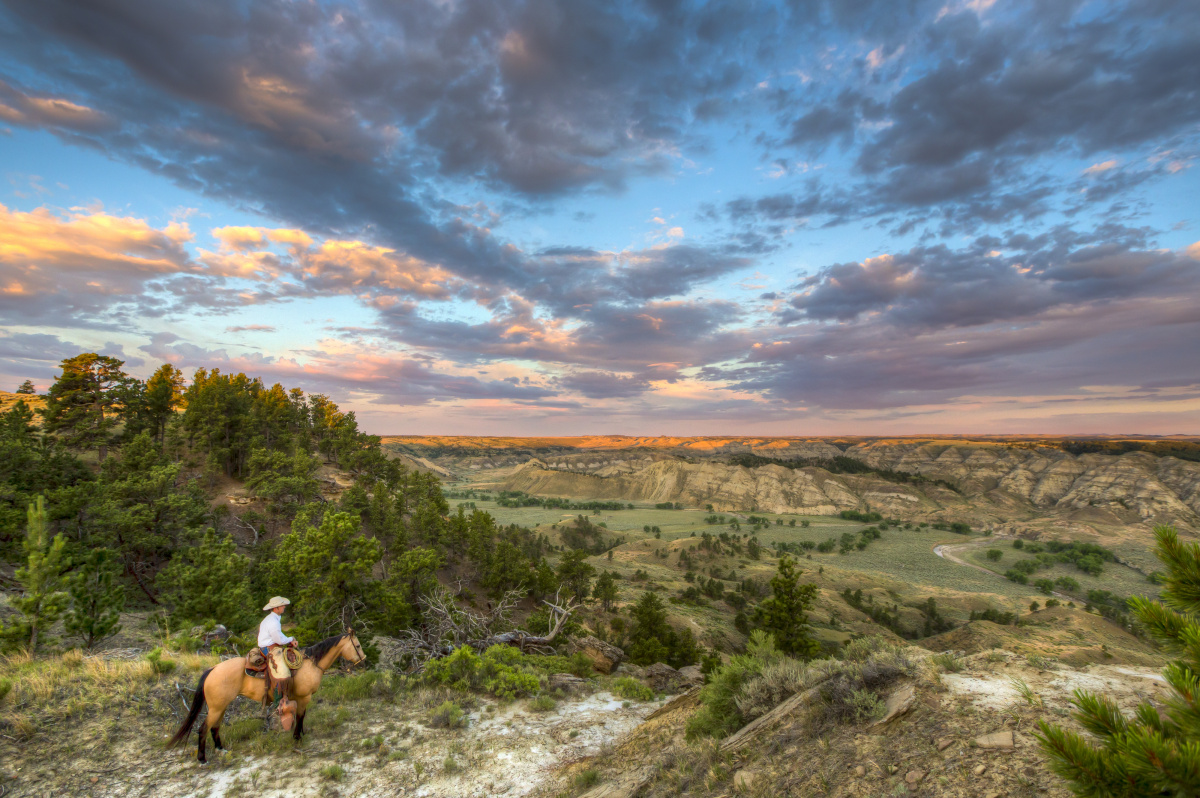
[(575, 217)]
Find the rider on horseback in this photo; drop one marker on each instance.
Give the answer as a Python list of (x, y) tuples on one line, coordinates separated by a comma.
[(278, 649)]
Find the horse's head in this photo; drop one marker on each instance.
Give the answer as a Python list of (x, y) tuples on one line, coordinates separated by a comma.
[(352, 650)]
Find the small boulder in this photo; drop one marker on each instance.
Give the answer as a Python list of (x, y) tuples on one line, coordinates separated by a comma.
[(860, 771), (743, 780), (663, 678), (568, 683), (944, 743), (631, 670), (898, 703), (691, 675), (980, 770), (604, 656), (914, 776), (1002, 741), (218, 634)]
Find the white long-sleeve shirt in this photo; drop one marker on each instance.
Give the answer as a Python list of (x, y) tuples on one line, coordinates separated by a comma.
[(270, 633)]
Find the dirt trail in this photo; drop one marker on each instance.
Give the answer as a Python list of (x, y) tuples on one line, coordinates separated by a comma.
[(371, 751)]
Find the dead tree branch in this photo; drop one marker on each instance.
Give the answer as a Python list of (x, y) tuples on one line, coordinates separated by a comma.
[(447, 627)]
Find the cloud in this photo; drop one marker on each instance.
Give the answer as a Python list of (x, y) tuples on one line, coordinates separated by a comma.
[(85, 266), (250, 328), (368, 374)]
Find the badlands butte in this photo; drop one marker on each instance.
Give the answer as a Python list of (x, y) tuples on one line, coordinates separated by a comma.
[(998, 483)]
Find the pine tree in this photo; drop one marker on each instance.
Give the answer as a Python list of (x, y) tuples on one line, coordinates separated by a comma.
[(27, 388), (209, 582), (16, 425), (576, 573), (1152, 754), (325, 569), (784, 614), (96, 598), (650, 633), (81, 401), (606, 590), (44, 600)]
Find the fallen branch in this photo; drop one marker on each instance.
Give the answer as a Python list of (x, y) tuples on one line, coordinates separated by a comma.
[(447, 627)]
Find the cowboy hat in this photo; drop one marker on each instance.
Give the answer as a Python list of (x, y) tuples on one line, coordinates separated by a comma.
[(276, 601)]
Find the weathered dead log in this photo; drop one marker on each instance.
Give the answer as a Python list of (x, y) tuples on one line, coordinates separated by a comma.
[(746, 735)]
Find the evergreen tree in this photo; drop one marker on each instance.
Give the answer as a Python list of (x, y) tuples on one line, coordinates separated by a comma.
[(27, 388), (209, 582), (286, 481), (325, 568), (576, 573), (16, 425), (140, 509), (606, 590), (545, 581), (164, 395), (80, 403), (96, 598), (1153, 753), (651, 635), (784, 614), (44, 599)]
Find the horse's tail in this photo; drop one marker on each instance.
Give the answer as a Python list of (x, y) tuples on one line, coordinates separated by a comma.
[(197, 704)]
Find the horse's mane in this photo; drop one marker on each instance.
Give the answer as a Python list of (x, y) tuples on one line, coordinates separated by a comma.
[(318, 650)]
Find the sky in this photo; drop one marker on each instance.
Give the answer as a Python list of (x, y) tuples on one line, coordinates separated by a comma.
[(507, 217)]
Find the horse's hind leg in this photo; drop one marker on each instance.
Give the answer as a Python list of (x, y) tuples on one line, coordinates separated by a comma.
[(203, 739), (214, 724), (301, 710)]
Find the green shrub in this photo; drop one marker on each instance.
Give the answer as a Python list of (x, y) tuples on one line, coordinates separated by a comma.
[(448, 715), (587, 779), (449, 765), (632, 689), (543, 703), (333, 772), (719, 714), (502, 671), (158, 664), (994, 554), (948, 662), (5, 687), (866, 705)]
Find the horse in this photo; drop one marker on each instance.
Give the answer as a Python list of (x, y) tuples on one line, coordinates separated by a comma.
[(222, 683)]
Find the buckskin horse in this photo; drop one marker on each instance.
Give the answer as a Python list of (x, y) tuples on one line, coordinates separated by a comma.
[(222, 683)]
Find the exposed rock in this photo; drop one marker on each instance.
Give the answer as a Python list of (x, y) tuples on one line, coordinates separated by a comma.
[(743, 780), (1135, 486), (999, 740), (860, 771), (692, 675), (663, 678), (631, 670), (604, 656), (568, 683), (914, 776), (898, 703), (943, 744), (980, 770)]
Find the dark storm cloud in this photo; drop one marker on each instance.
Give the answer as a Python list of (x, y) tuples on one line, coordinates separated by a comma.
[(935, 287), (953, 142), (340, 118)]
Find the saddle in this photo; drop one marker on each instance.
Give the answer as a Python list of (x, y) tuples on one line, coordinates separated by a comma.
[(277, 670)]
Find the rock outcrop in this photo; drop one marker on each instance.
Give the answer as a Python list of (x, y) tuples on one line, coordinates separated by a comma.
[(1002, 479), (604, 656)]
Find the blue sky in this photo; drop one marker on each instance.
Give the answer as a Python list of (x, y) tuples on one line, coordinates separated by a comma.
[(494, 217)]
